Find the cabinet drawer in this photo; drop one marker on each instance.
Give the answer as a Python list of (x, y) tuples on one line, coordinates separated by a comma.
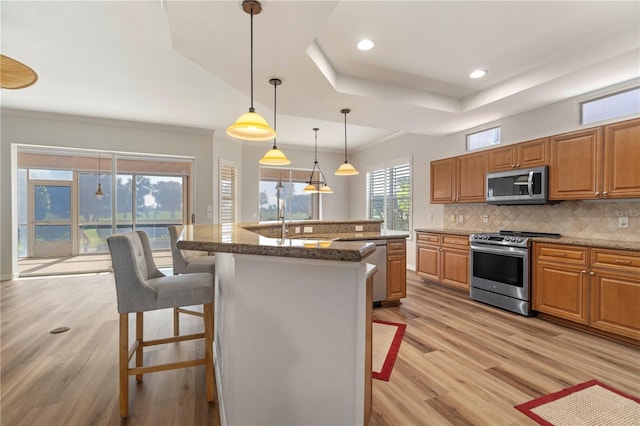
[(396, 246), (424, 238), (620, 260), (561, 253), (455, 241)]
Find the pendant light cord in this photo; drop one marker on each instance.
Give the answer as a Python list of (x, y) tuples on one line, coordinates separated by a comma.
[(345, 137), (275, 103), (251, 109)]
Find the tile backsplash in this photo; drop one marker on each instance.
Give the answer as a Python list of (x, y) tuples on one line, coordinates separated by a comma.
[(578, 219)]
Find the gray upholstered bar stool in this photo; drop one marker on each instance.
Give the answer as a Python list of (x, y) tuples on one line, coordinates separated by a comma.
[(187, 262), (141, 287)]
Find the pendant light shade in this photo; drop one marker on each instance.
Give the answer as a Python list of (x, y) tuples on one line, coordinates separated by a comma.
[(251, 126), (14, 74), (274, 157), (99, 193), (346, 168), (319, 184)]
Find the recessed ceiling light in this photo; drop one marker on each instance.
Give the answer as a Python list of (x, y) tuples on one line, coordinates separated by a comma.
[(365, 44), (478, 74)]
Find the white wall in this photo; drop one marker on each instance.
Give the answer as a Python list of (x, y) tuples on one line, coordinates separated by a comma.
[(21, 127)]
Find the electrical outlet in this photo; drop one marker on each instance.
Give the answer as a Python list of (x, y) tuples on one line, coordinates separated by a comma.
[(297, 229), (460, 218), (359, 228), (308, 229), (452, 218), (430, 217), (623, 222), (485, 219)]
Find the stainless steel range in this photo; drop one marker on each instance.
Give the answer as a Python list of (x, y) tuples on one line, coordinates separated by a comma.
[(500, 269)]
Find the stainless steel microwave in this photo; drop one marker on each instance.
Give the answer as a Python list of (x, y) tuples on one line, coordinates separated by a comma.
[(522, 186)]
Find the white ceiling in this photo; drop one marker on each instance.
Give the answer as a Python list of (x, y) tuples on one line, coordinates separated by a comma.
[(187, 62)]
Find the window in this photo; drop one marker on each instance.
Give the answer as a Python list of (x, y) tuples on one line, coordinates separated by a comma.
[(286, 185), (389, 195), (57, 191), (483, 139), (610, 106), (228, 193)]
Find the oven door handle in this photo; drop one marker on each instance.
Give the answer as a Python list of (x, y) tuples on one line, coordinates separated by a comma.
[(502, 250)]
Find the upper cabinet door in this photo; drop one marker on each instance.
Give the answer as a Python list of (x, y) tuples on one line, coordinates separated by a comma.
[(501, 159), (622, 160), (534, 153), (443, 181), (575, 170), (472, 173)]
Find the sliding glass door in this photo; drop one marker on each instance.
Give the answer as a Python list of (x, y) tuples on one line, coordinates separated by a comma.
[(51, 232)]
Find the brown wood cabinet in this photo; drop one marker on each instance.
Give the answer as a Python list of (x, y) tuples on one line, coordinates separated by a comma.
[(443, 181), (621, 164), (615, 291), (561, 287), (596, 287), (396, 269), (443, 258), (459, 179), (534, 153), (596, 163)]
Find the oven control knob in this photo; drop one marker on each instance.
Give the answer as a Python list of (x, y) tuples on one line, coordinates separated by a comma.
[(519, 239), (485, 237)]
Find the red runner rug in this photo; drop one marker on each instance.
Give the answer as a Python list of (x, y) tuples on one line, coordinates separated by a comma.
[(589, 403), (387, 337)]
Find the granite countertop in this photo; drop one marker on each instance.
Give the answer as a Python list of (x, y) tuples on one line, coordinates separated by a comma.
[(585, 242), (234, 238)]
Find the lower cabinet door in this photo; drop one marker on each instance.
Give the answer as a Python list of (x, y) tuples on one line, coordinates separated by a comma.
[(396, 276), (427, 262), (614, 303), (562, 290), (455, 268)]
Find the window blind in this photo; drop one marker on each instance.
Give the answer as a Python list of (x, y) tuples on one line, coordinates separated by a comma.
[(228, 193), (389, 196)]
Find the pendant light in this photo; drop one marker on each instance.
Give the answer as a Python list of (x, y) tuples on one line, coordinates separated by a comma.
[(274, 157), (251, 126), (14, 74), (346, 168), (318, 185), (99, 193)]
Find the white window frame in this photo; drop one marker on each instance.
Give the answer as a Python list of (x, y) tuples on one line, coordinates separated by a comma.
[(605, 97), (484, 144), (386, 167)]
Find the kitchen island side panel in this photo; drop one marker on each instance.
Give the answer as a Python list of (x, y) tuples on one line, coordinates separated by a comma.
[(290, 340)]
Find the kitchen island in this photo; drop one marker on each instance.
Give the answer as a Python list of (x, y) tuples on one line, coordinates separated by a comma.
[(292, 338)]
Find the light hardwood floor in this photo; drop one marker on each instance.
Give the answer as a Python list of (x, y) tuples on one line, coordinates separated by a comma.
[(460, 362)]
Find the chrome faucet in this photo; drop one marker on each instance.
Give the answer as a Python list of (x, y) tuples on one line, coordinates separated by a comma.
[(284, 225)]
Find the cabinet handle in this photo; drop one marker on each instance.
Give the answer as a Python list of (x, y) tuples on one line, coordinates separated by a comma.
[(591, 273), (597, 194), (626, 262), (513, 166), (583, 272), (518, 165), (604, 194)]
